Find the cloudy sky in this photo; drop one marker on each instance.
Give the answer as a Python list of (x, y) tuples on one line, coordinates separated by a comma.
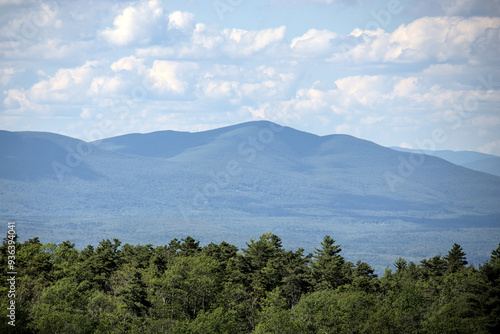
[(399, 73)]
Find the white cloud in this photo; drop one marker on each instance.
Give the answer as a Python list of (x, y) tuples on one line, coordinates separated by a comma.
[(106, 85), (66, 85), (364, 90), (443, 38), (313, 42), (206, 39), (135, 24), (6, 75), (219, 72), (16, 97), (492, 147), (86, 113), (208, 42), (240, 42), (245, 84), (217, 89), (171, 76), (362, 103), (130, 63), (425, 39), (181, 20)]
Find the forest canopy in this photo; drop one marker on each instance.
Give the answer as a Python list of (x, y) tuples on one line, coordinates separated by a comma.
[(182, 287)]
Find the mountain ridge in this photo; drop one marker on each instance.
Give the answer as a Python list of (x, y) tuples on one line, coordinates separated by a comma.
[(237, 180), (481, 162)]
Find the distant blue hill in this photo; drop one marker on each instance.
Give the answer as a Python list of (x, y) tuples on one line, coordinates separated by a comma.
[(236, 182), (488, 165), (482, 162), (31, 156)]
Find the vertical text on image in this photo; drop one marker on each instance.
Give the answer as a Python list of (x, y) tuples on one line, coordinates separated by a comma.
[(11, 272)]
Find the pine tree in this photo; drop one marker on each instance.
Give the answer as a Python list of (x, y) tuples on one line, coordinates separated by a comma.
[(400, 264), (435, 266), (455, 260), (328, 268), (328, 250), (495, 254)]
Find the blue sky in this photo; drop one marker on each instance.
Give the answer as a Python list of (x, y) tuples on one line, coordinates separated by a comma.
[(420, 74)]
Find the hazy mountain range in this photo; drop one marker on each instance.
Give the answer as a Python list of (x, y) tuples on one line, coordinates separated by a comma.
[(237, 182), (474, 160)]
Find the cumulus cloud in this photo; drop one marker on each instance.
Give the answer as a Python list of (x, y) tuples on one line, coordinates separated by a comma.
[(66, 85), (106, 85), (5, 75), (181, 21), (16, 98), (426, 39), (86, 113), (136, 23), (208, 42), (130, 63), (194, 73), (313, 42), (243, 42), (238, 84), (236, 42), (359, 104), (171, 76)]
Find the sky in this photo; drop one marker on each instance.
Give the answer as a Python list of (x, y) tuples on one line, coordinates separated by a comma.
[(418, 74)]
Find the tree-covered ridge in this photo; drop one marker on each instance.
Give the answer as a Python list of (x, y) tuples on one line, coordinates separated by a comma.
[(263, 288)]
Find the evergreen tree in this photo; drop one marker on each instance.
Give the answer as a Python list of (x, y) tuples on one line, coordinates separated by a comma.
[(400, 264), (189, 247), (328, 268), (183, 288), (435, 266), (455, 260), (495, 254)]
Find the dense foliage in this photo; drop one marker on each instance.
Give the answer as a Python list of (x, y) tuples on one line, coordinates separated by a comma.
[(184, 288)]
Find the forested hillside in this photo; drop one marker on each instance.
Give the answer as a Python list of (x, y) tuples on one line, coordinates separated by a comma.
[(234, 183), (263, 288)]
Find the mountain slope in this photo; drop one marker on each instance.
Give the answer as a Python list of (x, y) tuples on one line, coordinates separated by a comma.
[(249, 168), (334, 165), (482, 162), (488, 165), (234, 182), (37, 155)]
